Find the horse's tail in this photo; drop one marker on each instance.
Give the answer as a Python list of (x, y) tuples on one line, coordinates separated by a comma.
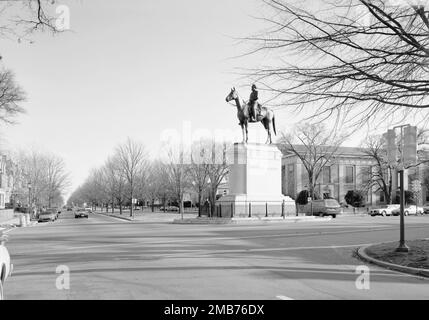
[(274, 125)]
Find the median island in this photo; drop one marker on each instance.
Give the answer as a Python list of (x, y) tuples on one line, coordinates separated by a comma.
[(417, 257)]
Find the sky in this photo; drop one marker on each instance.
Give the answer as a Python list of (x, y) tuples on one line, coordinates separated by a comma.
[(139, 69)]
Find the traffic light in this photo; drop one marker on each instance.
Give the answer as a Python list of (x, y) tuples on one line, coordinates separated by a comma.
[(391, 147), (410, 146)]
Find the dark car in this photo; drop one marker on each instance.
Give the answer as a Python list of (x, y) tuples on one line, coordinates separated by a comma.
[(170, 208), (81, 213), (324, 207)]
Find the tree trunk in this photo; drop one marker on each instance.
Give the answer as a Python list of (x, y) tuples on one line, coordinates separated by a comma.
[(131, 207), (199, 203), (120, 207), (153, 205)]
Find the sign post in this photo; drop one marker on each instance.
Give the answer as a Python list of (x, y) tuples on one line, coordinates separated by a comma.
[(408, 157)]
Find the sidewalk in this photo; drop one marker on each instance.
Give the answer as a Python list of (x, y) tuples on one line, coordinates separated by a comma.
[(6, 224), (153, 217)]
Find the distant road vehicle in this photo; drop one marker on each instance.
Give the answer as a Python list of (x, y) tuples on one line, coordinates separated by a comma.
[(81, 213), (170, 208), (325, 207), (89, 210), (48, 215), (56, 210), (69, 209), (385, 210), (6, 266), (409, 210)]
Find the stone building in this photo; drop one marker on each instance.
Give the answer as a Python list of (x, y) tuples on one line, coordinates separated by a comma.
[(348, 170)]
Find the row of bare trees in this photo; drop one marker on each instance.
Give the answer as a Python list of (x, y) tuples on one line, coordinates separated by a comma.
[(130, 176), (39, 178)]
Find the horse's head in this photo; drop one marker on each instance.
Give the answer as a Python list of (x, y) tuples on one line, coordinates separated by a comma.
[(232, 95)]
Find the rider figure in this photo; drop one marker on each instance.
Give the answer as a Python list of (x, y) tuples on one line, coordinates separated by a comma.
[(253, 103)]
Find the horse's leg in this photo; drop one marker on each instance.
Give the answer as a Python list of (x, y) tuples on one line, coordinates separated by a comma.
[(270, 125), (243, 132), (247, 133), (267, 128)]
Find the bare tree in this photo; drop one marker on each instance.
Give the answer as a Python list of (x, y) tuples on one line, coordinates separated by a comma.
[(355, 60), (158, 184), (379, 176), (47, 175), (314, 146), (57, 179), (199, 169), (11, 95), (175, 166), (114, 183), (132, 161), (217, 169), (20, 19)]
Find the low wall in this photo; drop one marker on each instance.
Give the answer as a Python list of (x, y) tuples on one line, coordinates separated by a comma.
[(6, 214), (254, 209)]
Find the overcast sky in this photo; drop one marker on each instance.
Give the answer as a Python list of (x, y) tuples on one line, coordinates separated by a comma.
[(131, 68)]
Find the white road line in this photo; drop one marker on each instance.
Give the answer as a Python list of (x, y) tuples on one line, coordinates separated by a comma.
[(284, 298), (100, 214)]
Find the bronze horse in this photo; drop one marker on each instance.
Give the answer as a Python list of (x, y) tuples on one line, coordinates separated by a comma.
[(266, 117)]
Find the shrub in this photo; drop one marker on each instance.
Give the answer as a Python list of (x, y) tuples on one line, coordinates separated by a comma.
[(355, 198), (303, 196)]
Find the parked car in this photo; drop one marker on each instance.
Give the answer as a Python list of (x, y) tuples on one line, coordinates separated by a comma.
[(325, 207), (48, 215), (81, 213), (170, 208), (69, 209), (385, 210), (409, 210), (89, 210), (56, 210), (6, 266)]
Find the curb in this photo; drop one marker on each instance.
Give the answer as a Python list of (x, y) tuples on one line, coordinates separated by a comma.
[(361, 252), (248, 220)]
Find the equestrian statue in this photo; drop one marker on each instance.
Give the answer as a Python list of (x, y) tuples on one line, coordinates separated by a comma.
[(252, 112)]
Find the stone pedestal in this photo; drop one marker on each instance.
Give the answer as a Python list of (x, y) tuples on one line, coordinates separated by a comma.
[(254, 183)]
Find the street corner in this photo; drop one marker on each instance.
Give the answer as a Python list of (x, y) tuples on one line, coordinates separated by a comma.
[(414, 262)]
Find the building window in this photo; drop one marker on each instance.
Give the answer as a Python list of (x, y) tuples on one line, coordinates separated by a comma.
[(366, 175), (334, 173), (326, 174), (349, 174), (291, 180)]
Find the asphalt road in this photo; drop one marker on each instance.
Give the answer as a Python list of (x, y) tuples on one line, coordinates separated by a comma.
[(110, 258)]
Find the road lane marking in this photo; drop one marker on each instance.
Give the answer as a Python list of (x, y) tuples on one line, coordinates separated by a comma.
[(108, 216), (284, 298)]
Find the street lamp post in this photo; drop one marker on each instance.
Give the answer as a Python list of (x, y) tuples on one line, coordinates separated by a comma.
[(29, 197), (408, 153)]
